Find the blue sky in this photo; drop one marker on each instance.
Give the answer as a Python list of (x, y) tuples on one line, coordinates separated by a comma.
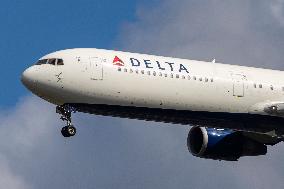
[(30, 29)]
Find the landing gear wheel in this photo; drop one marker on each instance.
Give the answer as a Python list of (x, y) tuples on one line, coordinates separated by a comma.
[(64, 131), (71, 130), (68, 131), (65, 112)]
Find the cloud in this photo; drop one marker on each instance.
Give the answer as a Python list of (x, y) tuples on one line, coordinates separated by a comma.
[(25, 124), (20, 130), (9, 179), (277, 8), (234, 32)]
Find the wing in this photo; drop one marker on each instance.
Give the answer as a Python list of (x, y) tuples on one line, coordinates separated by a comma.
[(271, 108)]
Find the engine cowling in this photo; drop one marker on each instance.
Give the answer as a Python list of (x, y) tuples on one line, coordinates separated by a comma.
[(222, 144)]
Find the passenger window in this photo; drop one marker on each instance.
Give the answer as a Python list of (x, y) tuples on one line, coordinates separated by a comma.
[(194, 78), (137, 71), (142, 71), (131, 71), (260, 86), (119, 69), (148, 72), (200, 79), (254, 85), (160, 74), (172, 75), (183, 77), (188, 77), (206, 79), (166, 75), (177, 76), (271, 87), (52, 61), (154, 73), (125, 70), (212, 80), (60, 62)]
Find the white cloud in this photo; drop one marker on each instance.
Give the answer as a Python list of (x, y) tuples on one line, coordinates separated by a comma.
[(22, 129), (25, 124), (8, 179), (234, 32), (277, 8)]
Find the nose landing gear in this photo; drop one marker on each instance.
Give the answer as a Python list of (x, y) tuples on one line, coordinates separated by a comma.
[(65, 112)]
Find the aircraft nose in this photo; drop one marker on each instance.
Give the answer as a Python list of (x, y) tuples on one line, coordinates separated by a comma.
[(28, 78)]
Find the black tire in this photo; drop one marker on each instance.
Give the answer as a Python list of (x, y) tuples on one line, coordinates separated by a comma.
[(64, 132)]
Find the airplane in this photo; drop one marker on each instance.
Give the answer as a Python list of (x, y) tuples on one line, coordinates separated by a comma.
[(234, 111)]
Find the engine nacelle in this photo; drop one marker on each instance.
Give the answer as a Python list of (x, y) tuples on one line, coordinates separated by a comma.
[(222, 144)]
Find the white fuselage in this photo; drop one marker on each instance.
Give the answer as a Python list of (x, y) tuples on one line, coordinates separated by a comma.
[(93, 76)]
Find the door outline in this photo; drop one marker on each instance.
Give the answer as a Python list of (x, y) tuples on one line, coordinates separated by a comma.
[(96, 66), (238, 84)]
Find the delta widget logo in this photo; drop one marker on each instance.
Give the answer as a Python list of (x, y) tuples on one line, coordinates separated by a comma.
[(117, 61)]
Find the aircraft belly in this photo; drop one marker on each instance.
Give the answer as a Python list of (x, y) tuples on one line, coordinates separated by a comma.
[(237, 121)]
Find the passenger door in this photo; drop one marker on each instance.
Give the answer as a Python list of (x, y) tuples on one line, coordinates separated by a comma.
[(96, 66), (238, 84)]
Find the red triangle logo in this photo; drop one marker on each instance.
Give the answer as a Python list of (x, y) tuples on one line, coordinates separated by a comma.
[(117, 61)]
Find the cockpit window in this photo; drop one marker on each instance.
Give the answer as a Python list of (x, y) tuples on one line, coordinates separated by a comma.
[(52, 61), (41, 62), (60, 62)]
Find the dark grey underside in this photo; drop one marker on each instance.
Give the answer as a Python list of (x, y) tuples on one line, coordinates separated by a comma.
[(238, 121)]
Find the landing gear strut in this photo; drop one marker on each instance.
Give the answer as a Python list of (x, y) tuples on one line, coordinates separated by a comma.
[(65, 112)]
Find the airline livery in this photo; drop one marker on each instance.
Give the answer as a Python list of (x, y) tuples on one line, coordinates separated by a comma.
[(235, 111)]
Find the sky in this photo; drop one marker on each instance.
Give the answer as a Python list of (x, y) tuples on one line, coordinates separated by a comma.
[(33, 28), (121, 153)]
